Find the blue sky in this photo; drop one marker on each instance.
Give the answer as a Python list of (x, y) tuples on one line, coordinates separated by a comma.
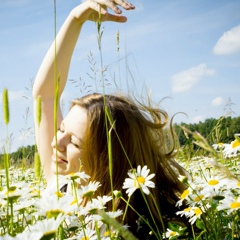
[(185, 51)]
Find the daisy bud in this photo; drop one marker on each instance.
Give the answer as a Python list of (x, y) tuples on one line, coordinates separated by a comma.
[(117, 194), (183, 179)]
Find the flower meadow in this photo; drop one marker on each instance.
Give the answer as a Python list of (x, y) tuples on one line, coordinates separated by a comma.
[(29, 209), (32, 210)]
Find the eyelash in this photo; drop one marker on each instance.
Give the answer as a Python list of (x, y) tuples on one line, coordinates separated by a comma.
[(72, 142), (60, 130)]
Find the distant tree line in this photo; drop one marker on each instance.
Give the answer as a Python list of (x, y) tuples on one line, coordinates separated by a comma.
[(214, 130), (23, 155)]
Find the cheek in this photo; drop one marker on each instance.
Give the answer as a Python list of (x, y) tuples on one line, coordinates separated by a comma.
[(76, 161)]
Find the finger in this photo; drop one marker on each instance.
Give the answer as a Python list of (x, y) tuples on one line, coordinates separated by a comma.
[(115, 18), (113, 5), (125, 4), (97, 7)]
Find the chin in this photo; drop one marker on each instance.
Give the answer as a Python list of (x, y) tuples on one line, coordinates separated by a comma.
[(60, 171)]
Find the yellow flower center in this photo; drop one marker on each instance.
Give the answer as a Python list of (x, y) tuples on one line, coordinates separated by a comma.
[(73, 201), (35, 192), (187, 209), (53, 213), (138, 181), (11, 190), (235, 143), (213, 182), (185, 194), (198, 198), (197, 211), (106, 234), (59, 194), (238, 184), (235, 205), (49, 235), (73, 176), (172, 233), (85, 238)]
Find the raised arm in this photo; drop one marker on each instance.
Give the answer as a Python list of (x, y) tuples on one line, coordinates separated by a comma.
[(56, 65)]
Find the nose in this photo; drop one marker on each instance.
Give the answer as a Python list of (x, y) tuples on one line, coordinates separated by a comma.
[(59, 142)]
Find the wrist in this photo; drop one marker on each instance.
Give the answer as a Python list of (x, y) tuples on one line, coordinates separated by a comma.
[(81, 13)]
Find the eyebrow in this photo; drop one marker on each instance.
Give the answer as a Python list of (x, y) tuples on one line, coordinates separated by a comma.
[(79, 139)]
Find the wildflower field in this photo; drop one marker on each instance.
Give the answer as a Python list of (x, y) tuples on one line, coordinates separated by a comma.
[(29, 210)]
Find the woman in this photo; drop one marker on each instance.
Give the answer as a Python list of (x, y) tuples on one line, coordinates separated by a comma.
[(137, 132)]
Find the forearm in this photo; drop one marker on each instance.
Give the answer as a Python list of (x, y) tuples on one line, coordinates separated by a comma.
[(57, 60)]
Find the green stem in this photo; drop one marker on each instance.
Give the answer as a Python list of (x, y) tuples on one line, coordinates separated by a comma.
[(159, 213), (57, 82), (140, 216), (12, 216), (125, 212)]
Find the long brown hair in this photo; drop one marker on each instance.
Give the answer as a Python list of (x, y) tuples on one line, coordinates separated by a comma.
[(138, 135)]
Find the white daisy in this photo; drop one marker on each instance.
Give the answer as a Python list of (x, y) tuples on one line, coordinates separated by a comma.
[(229, 204), (91, 207), (52, 206), (85, 234), (214, 186), (170, 234), (104, 199), (47, 227), (184, 196), (72, 222), (139, 179), (232, 149), (14, 193), (197, 212), (77, 177), (89, 190), (111, 214), (23, 235), (115, 214), (219, 146), (191, 212), (21, 206)]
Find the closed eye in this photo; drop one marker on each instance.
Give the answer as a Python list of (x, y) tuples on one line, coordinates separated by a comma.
[(60, 129), (76, 142), (76, 145)]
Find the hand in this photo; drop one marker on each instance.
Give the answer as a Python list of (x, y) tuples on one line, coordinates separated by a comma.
[(90, 10)]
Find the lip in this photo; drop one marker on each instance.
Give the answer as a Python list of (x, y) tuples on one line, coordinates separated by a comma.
[(58, 159)]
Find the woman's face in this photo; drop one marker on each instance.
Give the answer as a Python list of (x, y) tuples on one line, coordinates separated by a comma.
[(67, 145)]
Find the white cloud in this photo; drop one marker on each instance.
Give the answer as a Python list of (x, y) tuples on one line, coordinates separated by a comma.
[(229, 42), (185, 80), (12, 96), (218, 101), (198, 119)]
